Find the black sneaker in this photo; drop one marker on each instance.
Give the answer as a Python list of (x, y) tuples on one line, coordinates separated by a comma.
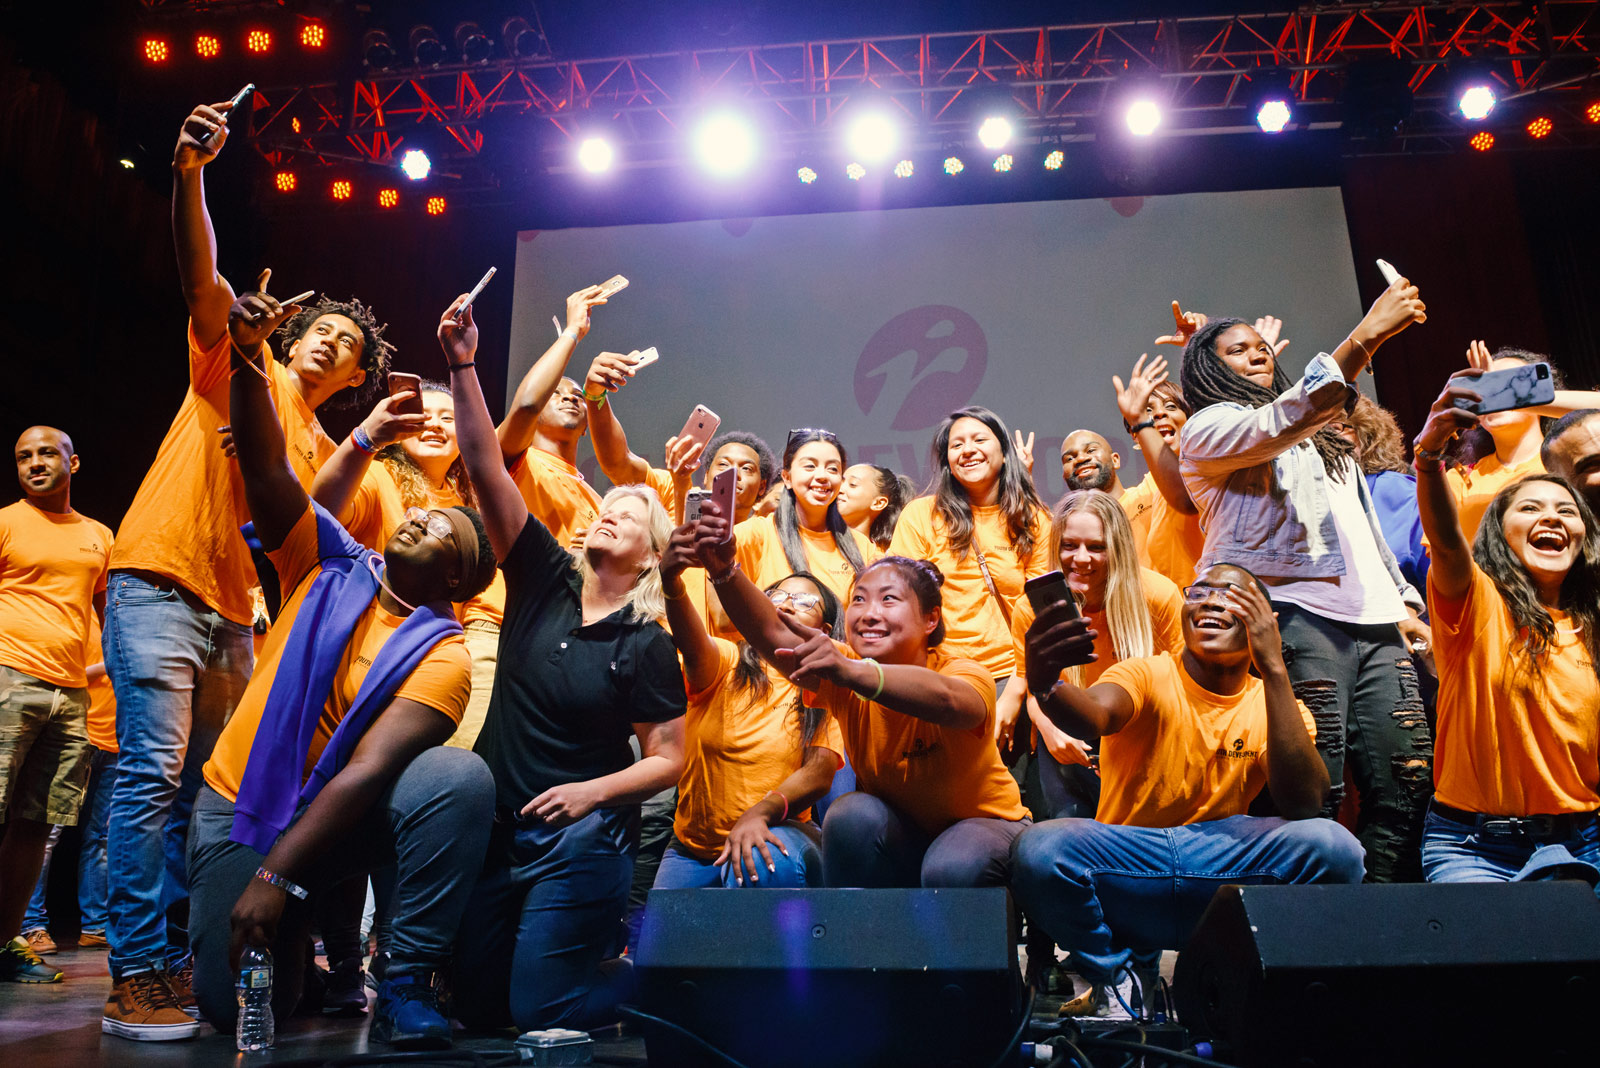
[(346, 994)]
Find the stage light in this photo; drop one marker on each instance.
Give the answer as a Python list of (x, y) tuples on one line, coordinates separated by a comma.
[(1273, 115), (127, 164), (471, 42), (1476, 101), (806, 175), (341, 189), (995, 132), (1483, 141), (388, 198), (1540, 128), (1592, 112), (953, 165), (294, 123), (522, 40), (258, 41), (725, 144), (207, 46), (377, 51), (284, 181), (313, 35), (415, 164), (855, 172), (1142, 117), (904, 169), (1054, 160), (596, 155), (156, 50), (426, 48), (872, 136), (1003, 162), (435, 205)]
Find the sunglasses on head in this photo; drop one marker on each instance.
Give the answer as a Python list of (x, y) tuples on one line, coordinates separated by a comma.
[(800, 435)]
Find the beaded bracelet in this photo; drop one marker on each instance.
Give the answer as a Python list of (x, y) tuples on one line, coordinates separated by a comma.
[(272, 878)]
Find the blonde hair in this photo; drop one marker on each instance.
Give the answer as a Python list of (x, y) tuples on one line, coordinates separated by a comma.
[(1126, 610), (647, 600)]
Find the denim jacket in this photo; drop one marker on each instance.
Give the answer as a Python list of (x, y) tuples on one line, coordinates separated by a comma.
[(1261, 487)]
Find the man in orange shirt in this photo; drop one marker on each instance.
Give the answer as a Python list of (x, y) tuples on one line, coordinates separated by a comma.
[(1187, 742), (52, 574), (178, 613)]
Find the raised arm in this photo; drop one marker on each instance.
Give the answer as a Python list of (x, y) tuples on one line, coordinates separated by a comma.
[(608, 373), (500, 503), (516, 431), (1296, 775), (746, 607), (271, 491), (699, 652), (205, 291), (1451, 570), (336, 483), (1133, 400)]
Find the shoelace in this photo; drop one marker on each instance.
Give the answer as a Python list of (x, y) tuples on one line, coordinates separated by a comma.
[(150, 991), (415, 991)]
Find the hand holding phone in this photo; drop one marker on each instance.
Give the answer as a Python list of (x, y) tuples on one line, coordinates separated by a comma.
[(400, 382), (233, 105), (1390, 275), (646, 358), (1049, 589), (722, 486), (612, 286), (461, 312), (1527, 385)]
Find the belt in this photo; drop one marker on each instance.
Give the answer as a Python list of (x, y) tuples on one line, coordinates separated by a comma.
[(1546, 827)]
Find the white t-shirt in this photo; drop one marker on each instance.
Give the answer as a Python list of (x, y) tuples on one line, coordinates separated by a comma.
[(1365, 593)]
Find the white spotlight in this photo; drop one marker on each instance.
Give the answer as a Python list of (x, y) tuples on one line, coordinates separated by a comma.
[(725, 144), (1476, 102), (595, 155), (872, 136), (995, 132), (1143, 116), (415, 164), (1273, 115)]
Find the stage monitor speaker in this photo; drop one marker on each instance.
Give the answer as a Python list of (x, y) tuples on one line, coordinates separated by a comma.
[(807, 978), (1412, 974)]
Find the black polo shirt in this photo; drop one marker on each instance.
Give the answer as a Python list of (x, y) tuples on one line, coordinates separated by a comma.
[(566, 696)]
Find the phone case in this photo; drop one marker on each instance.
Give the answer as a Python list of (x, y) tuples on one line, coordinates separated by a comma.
[(1527, 386)]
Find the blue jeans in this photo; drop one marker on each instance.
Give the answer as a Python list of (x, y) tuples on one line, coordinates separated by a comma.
[(682, 870), (1454, 852), (432, 823), (545, 923), (178, 670), (91, 852), (1106, 892), (867, 843)]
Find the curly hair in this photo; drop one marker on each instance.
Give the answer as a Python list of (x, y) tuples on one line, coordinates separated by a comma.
[(376, 353), (416, 491), (1379, 444), (765, 460), (1207, 380)]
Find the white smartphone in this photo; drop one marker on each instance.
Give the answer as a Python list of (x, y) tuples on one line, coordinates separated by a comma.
[(646, 358), (613, 285), (1390, 275)]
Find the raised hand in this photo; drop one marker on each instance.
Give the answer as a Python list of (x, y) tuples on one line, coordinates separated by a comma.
[(1478, 357), (1250, 606), (681, 553), (1024, 449), (1184, 326), (458, 340), (256, 314), (1395, 309), (385, 425), (608, 373), (813, 659), (683, 454), (714, 540), (1269, 327), (1447, 418), (579, 305), (1134, 398), (1060, 638), (206, 120)]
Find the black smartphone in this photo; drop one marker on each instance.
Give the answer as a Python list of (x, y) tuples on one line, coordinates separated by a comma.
[(1527, 385), (1048, 589)]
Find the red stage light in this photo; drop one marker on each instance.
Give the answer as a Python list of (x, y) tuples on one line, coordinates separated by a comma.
[(156, 50), (258, 41), (294, 124), (1540, 127), (436, 205), (285, 181), (388, 198), (1592, 113), (341, 190), (206, 46), (313, 35), (1483, 141)]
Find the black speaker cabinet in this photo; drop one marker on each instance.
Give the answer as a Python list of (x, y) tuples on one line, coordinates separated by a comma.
[(1417, 974), (810, 978)]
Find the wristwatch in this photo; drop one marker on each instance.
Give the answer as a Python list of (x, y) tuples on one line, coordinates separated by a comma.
[(1135, 428)]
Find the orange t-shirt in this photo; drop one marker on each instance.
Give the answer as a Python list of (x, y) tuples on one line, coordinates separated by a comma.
[(1507, 743), (661, 481), (442, 680), (975, 626), (556, 493), (735, 752), (1161, 596), (102, 700), (184, 521), (935, 775), (1167, 540), (1476, 486), (760, 555), (1187, 755), (51, 566)]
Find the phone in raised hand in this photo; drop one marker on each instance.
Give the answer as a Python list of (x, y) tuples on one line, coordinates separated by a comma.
[(1049, 589), (722, 486), (1390, 275), (646, 358), (612, 286), (233, 105), (400, 382), (701, 425), (1527, 385), (461, 312)]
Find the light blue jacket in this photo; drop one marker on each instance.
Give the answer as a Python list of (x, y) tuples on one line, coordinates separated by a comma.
[(1261, 487)]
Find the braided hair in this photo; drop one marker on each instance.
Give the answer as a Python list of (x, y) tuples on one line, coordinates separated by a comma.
[(1207, 380)]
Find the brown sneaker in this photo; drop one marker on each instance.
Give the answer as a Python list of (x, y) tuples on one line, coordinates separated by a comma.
[(40, 942), (92, 940), (181, 979), (144, 1008)]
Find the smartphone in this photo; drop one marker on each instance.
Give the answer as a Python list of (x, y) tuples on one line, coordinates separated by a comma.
[(1048, 589), (461, 312), (1390, 275), (701, 426), (613, 285), (722, 485), (646, 358), (238, 98), (399, 382), (1525, 386), (691, 504)]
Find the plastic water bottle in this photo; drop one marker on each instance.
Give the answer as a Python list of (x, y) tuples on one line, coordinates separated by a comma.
[(255, 1029)]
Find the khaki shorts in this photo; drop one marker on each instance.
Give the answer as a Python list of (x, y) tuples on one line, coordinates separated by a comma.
[(44, 749)]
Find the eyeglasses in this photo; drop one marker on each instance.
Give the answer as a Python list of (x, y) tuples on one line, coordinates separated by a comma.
[(432, 522), (802, 601), (1198, 594)]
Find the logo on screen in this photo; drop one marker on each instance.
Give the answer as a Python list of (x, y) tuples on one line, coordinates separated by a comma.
[(928, 360)]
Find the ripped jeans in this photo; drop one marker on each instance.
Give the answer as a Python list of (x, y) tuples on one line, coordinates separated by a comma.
[(1360, 685)]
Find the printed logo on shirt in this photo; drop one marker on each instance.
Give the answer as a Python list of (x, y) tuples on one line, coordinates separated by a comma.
[(363, 661), (1238, 752), (921, 750)]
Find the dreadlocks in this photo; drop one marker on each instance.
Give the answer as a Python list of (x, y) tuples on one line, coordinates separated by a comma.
[(1207, 380), (375, 350)]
